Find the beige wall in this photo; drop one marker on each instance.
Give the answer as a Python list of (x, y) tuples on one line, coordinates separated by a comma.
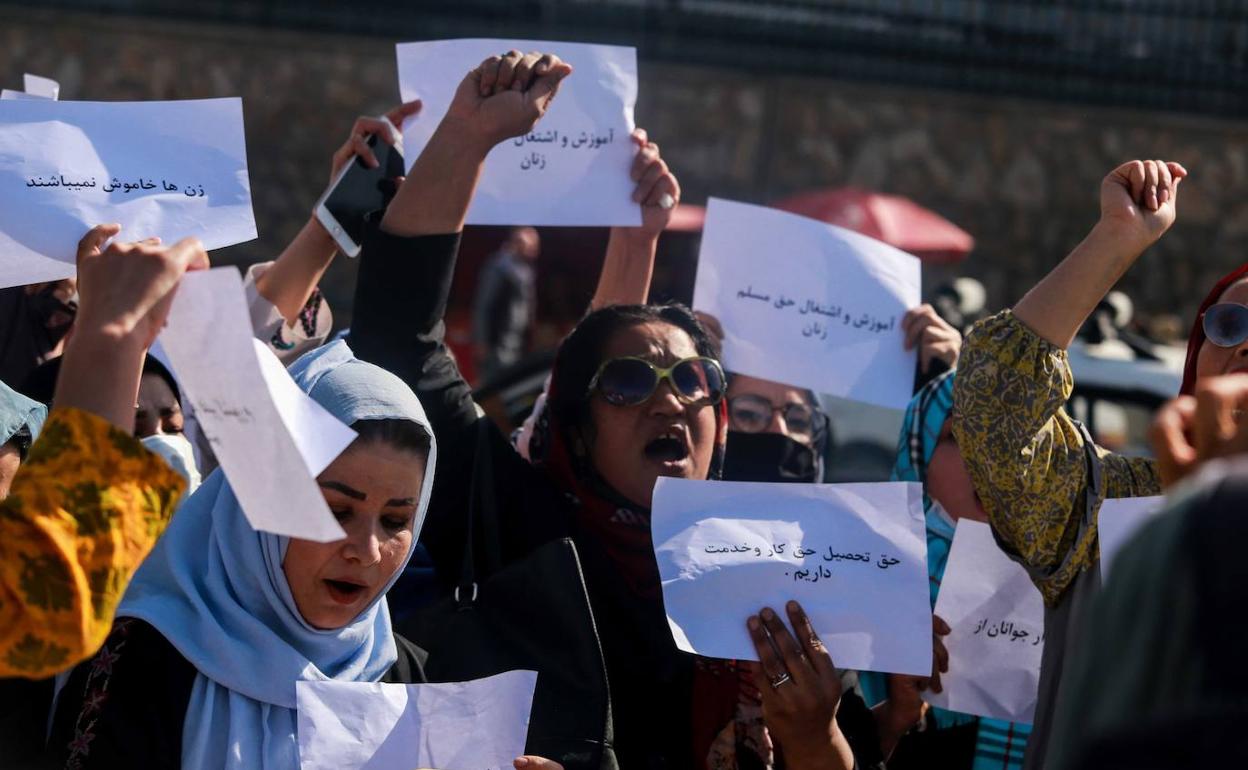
[(1021, 176)]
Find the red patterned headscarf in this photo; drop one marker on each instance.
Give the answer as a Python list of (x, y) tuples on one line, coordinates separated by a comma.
[(1197, 338)]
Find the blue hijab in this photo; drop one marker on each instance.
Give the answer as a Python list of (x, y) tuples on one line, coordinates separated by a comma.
[(16, 412), (214, 587)]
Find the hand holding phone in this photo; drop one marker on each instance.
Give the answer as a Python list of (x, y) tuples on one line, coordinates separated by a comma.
[(363, 180)]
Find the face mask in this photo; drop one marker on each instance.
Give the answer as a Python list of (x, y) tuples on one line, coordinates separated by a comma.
[(939, 520), (769, 457), (177, 451)]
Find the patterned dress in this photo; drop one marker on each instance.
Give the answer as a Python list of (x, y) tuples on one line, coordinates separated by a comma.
[(85, 508)]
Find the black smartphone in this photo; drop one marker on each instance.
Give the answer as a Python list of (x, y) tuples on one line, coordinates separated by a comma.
[(357, 192)]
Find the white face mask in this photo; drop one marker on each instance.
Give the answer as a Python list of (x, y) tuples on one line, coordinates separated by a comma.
[(177, 451), (938, 511)]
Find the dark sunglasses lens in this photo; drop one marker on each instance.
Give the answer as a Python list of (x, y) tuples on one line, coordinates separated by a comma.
[(1226, 324), (626, 381), (698, 380)]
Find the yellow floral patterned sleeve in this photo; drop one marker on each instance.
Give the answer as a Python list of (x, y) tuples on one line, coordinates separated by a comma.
[(1037, 472), (84, 510)]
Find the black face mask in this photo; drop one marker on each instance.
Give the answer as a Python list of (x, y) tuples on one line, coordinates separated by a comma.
[(769, 457)]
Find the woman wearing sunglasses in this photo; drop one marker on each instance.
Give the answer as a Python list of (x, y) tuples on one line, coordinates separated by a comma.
[(636, 393), (1036, 472), (1216, 344)]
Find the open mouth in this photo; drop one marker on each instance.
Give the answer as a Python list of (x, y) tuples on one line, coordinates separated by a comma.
[(668, 448), (345, 591)]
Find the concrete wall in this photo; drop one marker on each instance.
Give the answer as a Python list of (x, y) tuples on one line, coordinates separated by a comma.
[(1021, 176)]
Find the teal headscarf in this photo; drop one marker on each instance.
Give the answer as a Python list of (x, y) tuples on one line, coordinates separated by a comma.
[(17, 412), (920, 431)]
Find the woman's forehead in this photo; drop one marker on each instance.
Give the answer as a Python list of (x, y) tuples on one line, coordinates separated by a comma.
[(775, 392), (655, 341)]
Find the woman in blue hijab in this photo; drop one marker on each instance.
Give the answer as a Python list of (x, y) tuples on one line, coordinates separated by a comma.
[(927, 453), (221, 620)]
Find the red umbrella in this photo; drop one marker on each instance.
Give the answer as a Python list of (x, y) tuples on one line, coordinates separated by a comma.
[(895, 220)]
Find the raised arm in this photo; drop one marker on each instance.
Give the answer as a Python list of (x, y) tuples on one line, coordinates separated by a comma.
[(502, 98), (407, 264), (1137, 207), (89, 501), (125, 291), (629, 265), (1032, 466), (287, 311)]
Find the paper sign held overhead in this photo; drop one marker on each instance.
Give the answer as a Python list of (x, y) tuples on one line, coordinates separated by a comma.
[(165, 169), (853, 555), (209, 341), (807, 303), (997, 638), (573, 169), (478, 725)]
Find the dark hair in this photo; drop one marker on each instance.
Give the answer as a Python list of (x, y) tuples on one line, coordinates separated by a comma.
[(152, 365), (40, 384), (581, 352), (403, 435)]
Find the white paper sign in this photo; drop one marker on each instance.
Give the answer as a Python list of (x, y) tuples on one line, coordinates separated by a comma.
[(853, 555), (997, 639), (573, 169), (1118, 520), (166, 169), (209, 341), (479, 725), (319, 435), (9, 95), (808, 303), (44, 88)]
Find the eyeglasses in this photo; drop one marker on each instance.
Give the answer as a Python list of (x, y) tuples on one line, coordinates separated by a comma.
[(629, 381), (752, 414), (1226, 324)]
